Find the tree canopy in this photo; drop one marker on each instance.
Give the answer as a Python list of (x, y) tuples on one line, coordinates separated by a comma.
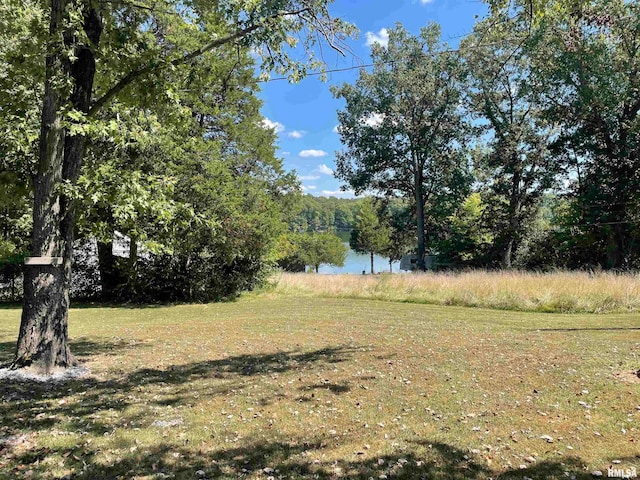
[(402, 129), (101, 57)]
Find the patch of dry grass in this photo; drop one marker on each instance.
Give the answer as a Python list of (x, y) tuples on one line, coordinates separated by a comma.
[(563, 292), (286, 387)]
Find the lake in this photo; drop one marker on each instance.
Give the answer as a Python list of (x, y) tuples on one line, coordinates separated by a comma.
[(356, 262)]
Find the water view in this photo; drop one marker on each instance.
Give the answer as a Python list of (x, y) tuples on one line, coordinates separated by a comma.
[(356, 262)]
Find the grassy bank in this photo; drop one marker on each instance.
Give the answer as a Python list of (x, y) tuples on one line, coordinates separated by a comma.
[(568, 292), (303, 387)]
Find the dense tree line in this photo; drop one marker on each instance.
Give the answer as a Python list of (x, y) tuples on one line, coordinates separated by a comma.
[(325, 214), (518, 148)]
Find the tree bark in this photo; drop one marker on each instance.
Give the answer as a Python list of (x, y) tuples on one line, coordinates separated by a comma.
[(372, 263), (507, 253), (43, 339), (515, 207)]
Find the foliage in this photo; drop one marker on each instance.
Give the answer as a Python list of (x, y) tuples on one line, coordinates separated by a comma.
[(468, 237), (397, 215), (325, 214), (517, 164), (370, 235), (596, 95), (176, 158), (311, 249), (402, 129), (21, 82)]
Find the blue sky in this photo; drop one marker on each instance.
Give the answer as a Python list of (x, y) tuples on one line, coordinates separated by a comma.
[(304, 114)]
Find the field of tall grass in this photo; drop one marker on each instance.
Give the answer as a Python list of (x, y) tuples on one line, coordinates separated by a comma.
[(561, 292)]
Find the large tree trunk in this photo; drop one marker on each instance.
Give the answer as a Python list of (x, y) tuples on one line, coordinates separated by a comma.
[(507, 252), (514, 212), (43, 339)]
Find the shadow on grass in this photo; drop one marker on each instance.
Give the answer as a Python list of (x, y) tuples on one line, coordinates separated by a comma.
[(91, 407), (295, 459), (81, 348), (29, 406), (10, 305), (240, 365)]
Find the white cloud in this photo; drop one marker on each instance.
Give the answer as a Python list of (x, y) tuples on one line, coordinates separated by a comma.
[(337, 193), (308, 177), (312, 153), (381, 38), (424, 2), (286, 154), (323, 169), (275, 126), (374, 120), (296, 134), (308, 187), (336, 129)]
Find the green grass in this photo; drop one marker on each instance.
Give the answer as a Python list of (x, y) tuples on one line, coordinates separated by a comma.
[(305, 387)]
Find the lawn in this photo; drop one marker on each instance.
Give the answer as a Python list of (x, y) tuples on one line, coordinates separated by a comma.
[(283, 386)]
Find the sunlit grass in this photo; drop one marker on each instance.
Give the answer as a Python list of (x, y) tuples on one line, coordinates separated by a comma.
[(562, 292), (304, 387)]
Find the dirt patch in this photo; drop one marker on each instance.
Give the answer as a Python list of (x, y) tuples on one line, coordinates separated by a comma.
[(628, 376), (29, 375)]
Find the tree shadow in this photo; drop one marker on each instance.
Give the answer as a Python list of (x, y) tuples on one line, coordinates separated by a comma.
[(241, 365), (72, 407), (294, 459), (29, 406), (82, 348), (10, 305)]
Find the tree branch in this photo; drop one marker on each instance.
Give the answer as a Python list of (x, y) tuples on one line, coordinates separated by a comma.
[(134, 75)]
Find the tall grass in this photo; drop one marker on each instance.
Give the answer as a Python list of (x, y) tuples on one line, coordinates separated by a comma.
[(564, 292)]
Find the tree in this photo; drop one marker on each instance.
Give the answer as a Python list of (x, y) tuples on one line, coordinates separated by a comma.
[(588, 58), (402, 128), (298, 250), (519, 166), (163, 38), (205, 155), (325, 214), (369, 235), (20, 83), (397, 216), (322, 248), (468, 236)]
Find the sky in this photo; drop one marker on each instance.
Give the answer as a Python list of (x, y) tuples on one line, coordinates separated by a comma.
[(304, 115)]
